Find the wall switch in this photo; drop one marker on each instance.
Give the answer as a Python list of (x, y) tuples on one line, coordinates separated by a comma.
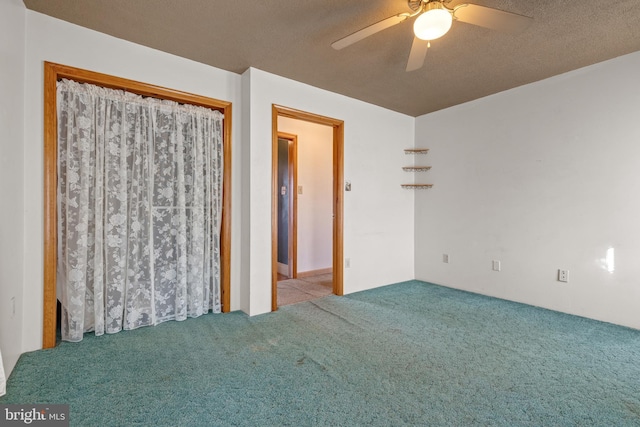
[(495, 265), (563, 275), (347, 186), (13, 307), (299, 189), (347, 263), (445, 258)]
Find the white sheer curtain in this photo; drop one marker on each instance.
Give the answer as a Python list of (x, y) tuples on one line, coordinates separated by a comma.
[(139, 210)]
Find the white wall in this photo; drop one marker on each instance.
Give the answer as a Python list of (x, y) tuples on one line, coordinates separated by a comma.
[(315, 208), (378, 214), (49, 39), (378, 230), (12, 40), (541, 177)]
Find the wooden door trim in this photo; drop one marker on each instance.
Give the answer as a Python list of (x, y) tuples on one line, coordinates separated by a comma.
[(338, 195), (54, 72), (293, 207)]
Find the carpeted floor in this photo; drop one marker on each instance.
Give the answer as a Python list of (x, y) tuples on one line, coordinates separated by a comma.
[(293, 291), (406, 354)]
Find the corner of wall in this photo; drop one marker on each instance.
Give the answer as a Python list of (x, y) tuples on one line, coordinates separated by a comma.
[(538, 178), (245, 152), (12, 86)]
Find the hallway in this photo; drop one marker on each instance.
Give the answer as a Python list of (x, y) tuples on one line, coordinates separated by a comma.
[(291, 291)]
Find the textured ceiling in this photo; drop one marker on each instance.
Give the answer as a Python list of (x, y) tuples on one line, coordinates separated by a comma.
[(292, 38)]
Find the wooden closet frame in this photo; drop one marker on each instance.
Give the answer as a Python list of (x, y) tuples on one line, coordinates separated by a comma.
[(52, 74)]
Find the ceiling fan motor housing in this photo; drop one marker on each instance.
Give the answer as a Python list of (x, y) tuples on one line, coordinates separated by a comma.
[(416, 5)]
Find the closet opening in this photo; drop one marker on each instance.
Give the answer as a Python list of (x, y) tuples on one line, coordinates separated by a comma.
[(56, 72)]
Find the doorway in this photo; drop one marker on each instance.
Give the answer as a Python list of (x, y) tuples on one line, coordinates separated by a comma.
[(334, 202)]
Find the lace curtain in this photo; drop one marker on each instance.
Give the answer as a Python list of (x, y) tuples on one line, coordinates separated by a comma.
[(139, 210)]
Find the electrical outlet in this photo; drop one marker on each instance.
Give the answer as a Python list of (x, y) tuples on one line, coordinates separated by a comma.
[(563, 276), (445, 258), (495, 265), (347, 263)]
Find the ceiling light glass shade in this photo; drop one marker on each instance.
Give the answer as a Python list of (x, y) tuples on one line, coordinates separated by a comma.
[(432, 24)]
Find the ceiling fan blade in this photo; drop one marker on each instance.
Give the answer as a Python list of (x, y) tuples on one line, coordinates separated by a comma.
[(493, 19), (368, 31), (418, 54)]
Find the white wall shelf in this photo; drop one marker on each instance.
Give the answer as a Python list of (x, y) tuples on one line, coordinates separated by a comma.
[(417, 186), (415, 168), (416, 151)]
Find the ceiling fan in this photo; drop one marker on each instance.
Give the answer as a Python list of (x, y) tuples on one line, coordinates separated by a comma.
[(434, 20)]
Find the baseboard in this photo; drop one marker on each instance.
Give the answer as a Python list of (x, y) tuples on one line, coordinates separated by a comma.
[(315, 272), (283, 269)]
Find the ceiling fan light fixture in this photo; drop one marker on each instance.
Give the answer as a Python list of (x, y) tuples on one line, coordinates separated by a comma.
[(434, 23)]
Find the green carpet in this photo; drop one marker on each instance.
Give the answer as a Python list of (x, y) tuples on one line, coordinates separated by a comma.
[(406, 354)]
